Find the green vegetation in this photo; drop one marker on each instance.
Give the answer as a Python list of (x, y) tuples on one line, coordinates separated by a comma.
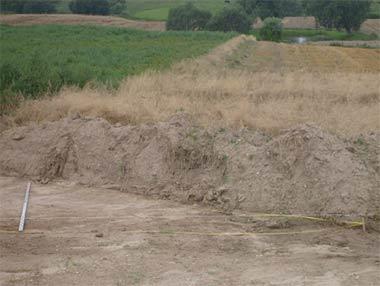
[(288, 35), (91, 7), (374, 13), (41, 59), (231, 18), (271, 30), (159, 9), (272, 8), (187, 17), (339, 14), (28, 6), (98, 7)]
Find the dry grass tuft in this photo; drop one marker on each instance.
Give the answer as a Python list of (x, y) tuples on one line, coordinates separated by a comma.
[(344, 103)]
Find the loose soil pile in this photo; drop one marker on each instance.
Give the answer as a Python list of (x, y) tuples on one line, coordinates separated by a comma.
[(303, 170)]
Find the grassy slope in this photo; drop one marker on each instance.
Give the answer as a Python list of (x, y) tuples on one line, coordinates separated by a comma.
[(38, 56)]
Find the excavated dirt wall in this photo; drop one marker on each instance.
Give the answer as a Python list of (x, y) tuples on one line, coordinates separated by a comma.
[(304, 170)]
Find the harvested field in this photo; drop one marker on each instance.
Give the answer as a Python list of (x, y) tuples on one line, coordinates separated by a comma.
[(87, 236), (292, 23), (72, 19), (243, 83), (371, 26), (284, 58), (299, 23)]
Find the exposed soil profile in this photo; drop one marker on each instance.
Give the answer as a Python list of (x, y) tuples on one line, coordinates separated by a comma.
[(304, 170)]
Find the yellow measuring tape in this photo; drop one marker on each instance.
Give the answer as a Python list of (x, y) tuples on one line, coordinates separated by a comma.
[(173, 232), (348, 223)]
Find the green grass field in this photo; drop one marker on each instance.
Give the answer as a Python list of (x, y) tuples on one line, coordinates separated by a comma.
[(159, 9), (155, 9), (321, 35), (37, 59)]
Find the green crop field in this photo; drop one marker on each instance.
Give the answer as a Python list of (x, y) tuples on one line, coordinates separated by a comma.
[(155, 9), (159, 9), (38, 59)]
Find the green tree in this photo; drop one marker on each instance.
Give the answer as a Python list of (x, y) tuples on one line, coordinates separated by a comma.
[(230, 19), (271, 30), (91, 7), (339, 14), (272, 8), (118, 7), (187, 17), (28, 6), (39, 6), (15, 6)]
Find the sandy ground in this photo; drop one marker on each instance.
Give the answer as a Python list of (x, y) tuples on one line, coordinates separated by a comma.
[(86, 236), (71, 19)]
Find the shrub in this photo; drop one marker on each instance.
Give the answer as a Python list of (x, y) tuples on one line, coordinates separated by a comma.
[(38, 6), (230, 19), (118, 7), (28, 6), (271, 30), (14, 6), (187, 17), (91, 7)]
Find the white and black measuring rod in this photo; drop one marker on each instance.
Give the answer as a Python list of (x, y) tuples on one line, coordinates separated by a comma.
[(24, 208)]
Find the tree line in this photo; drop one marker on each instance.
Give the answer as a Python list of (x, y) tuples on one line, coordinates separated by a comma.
[(91, 7), (331, 14)]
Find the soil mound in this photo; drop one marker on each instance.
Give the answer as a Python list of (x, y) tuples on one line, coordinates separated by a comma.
[(304, 170)]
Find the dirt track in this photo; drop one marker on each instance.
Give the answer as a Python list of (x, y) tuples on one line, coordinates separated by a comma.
[(150, 242), (71, 19)]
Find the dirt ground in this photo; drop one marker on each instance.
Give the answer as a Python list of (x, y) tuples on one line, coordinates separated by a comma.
[(86, 236), (70, 19)]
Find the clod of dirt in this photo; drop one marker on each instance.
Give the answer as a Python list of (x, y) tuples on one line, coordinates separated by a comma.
[(18, 137), (304, 170)]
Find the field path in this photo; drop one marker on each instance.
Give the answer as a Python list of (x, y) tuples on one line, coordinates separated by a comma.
[(72, 19), (86, 236)]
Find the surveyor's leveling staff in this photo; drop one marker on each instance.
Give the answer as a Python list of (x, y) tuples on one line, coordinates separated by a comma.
[(24, 208)]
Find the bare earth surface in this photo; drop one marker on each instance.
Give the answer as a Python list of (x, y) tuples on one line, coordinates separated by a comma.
[(71, 19), (86, 236)]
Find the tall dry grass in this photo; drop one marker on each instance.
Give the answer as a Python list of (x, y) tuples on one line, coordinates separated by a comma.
[(344, 103)]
